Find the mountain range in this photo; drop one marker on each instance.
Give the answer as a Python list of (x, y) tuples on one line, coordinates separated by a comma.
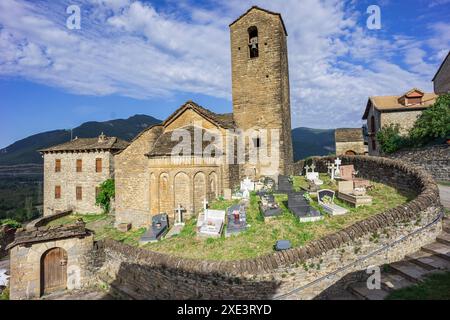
[(306, 141)]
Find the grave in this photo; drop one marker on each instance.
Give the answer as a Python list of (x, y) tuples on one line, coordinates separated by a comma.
[(301, 208), (325, 199), (348, 173), (156, 231), (282, 245), (247, 186), (268, 206), (313, 175), (237, 220), (355, 196), (284, 185), (210, 223)]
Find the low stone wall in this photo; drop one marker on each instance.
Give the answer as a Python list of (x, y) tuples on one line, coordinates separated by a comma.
[(301, 273), (42, 221), (434, 159)]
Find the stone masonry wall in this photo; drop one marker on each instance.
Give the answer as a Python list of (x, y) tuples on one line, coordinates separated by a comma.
[(6, 237), (434, 159), (68, 178), (141, 274)]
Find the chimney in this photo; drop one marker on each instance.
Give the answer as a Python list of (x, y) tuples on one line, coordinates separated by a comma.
[(102, 138)]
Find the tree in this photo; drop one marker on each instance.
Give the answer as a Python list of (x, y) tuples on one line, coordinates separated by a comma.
[(106, 193), (433, 123), (390, 139)]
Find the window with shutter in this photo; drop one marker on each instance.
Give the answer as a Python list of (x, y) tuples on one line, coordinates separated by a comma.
[(58, 165), (79, 165), (79, 193), (98, 165), (57, 192)]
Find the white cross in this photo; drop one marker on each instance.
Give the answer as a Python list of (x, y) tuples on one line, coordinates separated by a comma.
[(179, 209), (338, 163), (306, 168), (332, 167), (329, 167), (313, 166), (205, 204)]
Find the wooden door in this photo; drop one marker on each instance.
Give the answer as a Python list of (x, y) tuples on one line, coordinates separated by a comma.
[(53, 270)]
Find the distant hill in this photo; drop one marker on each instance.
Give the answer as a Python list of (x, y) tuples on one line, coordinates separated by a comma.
[(306, 141), (24, 151)]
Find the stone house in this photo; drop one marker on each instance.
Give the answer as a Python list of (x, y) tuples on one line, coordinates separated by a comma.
[(73, 172), (45, 260), (152, 179), (402, 110), (441, 80), (349, 141)]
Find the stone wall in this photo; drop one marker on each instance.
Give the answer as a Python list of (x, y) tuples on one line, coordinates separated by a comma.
[(356, 146), (441, 82), (434, 159), (302, 272), (69, 179)]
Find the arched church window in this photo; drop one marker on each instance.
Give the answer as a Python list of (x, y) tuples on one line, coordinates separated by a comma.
[(253, 42)]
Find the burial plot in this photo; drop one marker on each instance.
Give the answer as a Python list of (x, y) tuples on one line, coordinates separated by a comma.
[(156, 230), (212, 223), (284, 185), (325, 198), (237, 220), (268, 206), (301, 208)]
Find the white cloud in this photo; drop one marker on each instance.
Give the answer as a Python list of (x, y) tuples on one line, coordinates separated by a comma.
[(132, 49)]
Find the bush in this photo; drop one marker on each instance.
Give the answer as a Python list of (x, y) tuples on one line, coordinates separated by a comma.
[(390, 139), (433, 123), (107, 192), (10, 223)]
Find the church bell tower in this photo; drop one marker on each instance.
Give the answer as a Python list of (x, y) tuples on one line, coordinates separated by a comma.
[(260, 81)]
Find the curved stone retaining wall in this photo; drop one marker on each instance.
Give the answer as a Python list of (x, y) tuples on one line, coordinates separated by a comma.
[(297, 273)]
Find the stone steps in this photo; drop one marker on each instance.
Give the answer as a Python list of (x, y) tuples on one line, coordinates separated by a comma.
[(360, 290), (439, 249), (409, 270), (428, 260), (392, 281)]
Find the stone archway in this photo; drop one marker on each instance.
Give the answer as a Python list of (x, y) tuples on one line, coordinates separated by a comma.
[(350, 153), (53, 270), (213, 188), (165, 204), (154, 194), (182, 191), (199, 191)]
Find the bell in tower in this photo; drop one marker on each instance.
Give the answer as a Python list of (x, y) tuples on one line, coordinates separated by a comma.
[(253, 42)]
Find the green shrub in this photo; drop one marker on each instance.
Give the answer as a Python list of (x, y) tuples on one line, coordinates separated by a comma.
[(11, 223), (107, 192), (390, 139), (433, 123)]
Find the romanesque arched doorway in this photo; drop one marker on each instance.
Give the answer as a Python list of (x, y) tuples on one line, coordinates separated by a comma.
[(350, 153), (182, 193), (199, 191), (53, 270)]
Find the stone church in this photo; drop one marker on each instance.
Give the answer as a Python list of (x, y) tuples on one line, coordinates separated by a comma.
[(151, 178)]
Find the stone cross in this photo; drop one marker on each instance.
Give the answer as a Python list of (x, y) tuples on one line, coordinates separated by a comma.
[(329, 167), (205, 204), (332, 167), (337, 172), (179, 220), (313, 166), (306, 169)]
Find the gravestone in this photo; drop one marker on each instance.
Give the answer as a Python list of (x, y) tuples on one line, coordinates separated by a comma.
[(284, 186), (325, 198), (301, 208), (268, 206), (157, 229), (282, 245), (237, 220)]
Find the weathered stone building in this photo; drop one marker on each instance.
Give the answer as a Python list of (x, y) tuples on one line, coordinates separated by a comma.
[(44, 260), (74, 170), (151, 178), (349, 141), (441, 81), (402, 110)]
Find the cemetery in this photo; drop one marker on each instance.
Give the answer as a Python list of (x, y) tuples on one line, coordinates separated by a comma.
[(251, 226)]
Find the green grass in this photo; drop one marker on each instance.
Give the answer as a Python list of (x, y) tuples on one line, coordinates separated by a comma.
[(434, 287), (5, 294), (87, 218), (261, 234), (444, 183)]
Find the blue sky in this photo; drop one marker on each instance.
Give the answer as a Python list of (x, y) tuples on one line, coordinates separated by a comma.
[(149, 57)]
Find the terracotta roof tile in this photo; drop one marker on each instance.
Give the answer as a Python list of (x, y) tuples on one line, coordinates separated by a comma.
[(83, 144)]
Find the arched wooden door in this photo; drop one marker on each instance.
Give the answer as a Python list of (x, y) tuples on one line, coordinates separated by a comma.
[(53, 270)]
